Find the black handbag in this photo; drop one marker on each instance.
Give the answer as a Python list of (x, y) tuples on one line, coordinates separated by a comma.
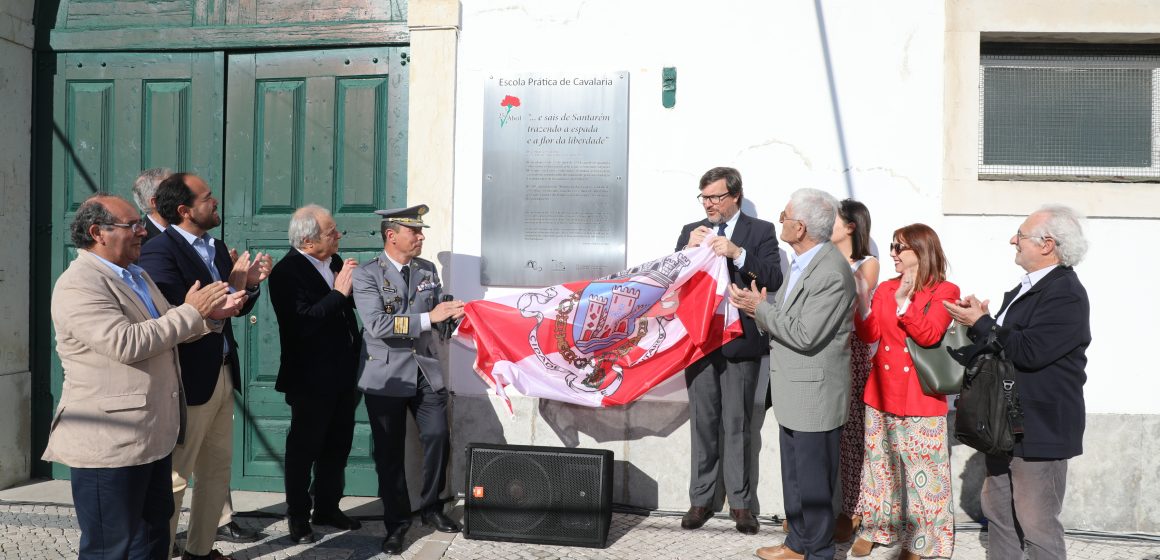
[(939, 373), (988, 415)]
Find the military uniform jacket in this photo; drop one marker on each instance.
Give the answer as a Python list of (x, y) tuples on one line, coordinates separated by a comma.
[(395, 348)]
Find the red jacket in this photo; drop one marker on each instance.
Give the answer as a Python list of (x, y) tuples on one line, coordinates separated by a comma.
[(893, 385)]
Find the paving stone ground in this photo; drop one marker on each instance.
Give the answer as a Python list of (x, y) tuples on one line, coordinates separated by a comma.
[(31, 530)]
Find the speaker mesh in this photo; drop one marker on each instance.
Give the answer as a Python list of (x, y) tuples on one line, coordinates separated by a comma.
[(538, 494)]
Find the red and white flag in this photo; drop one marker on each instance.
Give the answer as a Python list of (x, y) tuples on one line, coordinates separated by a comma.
[(605, 342)]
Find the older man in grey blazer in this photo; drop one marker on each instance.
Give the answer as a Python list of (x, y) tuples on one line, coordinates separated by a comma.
[(398, 296), (809, 322)]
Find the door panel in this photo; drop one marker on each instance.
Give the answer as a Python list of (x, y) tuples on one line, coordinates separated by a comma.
[(115, 114), (322, 127)]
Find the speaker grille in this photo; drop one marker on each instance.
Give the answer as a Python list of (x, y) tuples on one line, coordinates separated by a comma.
[(538, 494)]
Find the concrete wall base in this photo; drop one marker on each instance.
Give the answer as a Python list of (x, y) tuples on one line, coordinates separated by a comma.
[(16, 433), (1109, 487)]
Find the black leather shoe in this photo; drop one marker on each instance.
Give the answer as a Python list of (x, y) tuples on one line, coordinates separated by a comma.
[(300, 531), (232, 532), (440, 522), (746, 523), (336, 519), (695, 517), (393, 544)]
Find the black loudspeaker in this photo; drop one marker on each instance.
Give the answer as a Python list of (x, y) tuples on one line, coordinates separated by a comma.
[(544, 495)]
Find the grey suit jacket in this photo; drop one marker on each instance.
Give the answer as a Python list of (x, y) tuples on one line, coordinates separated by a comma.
[(395, 348), (809, 345), (121, 401)]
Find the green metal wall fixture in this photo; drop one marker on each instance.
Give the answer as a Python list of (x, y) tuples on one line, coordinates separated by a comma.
[(669, 87)]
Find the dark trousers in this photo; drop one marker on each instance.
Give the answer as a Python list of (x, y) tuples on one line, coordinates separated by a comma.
[(720, 410), (809, 479), (123, 512), (388, 417), (320, 436), (1022, 500)]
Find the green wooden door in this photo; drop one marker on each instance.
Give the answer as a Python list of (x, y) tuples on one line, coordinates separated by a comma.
[(115, 114), (326, 127)]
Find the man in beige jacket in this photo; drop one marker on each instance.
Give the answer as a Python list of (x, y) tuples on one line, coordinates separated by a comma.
[(121, 406)]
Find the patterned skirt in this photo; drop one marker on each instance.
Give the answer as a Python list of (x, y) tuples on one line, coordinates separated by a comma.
[(906, 483), (853, 443)]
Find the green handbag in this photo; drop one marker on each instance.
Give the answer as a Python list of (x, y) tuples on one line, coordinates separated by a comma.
[(938, 371)]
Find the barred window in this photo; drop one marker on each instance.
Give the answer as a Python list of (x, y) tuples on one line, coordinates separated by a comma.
[(1069, 113)]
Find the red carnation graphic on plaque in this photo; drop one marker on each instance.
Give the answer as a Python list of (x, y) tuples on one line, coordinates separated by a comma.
[(509, 101)]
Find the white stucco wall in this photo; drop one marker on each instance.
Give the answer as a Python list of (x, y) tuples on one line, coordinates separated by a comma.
[(757, 91), (16, 41), (753, 92)]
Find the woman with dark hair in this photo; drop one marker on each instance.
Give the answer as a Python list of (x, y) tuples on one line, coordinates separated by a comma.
[(851, 236), (906, 473)]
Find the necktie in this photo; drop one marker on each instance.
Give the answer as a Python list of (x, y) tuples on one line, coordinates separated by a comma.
[(406, 272), (721, 228)]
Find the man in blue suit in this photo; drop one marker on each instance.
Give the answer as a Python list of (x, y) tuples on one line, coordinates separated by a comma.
[(181, 255), (722, 385)]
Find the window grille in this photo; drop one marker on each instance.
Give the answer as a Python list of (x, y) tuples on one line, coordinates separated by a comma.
[(1058, 114)]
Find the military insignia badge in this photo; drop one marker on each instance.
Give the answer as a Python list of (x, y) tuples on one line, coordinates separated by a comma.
[(389, 309), (402, 325)]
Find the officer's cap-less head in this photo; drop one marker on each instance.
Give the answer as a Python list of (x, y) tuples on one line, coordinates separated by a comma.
[(410, 217)]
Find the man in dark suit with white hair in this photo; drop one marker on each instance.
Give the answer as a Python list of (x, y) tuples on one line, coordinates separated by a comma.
[(310, 290), (1044, 328)]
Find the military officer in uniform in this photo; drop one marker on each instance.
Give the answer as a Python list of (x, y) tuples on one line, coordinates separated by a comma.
[(398, 297)]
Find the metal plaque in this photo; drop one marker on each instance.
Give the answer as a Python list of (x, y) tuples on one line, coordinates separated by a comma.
[(555, 177)]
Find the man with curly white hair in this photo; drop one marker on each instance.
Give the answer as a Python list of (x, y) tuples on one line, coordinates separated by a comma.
[(1043, 327)]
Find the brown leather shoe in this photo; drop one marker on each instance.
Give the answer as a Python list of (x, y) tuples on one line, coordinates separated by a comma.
[(843, 528), (908, 555), (779, 552), (862, 547), (695, 517), (746, 523)]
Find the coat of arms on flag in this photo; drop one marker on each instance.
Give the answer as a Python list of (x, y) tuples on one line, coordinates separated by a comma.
[(605, 342)]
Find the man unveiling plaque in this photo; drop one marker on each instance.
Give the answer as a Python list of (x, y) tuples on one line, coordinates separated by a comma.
[(555, 176)]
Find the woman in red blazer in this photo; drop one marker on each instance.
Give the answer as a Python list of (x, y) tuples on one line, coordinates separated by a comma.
[(906, 474)]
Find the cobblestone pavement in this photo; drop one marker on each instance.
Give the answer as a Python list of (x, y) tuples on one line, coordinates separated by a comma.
[(34, 531)]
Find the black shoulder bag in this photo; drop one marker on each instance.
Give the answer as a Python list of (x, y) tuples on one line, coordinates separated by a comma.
[(988, 415)]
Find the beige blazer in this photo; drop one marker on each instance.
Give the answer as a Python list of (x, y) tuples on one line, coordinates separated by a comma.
[(809, 342), (122, 400)]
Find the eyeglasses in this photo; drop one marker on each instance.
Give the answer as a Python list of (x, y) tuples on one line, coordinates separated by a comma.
[(898, 248), (335, 233), (1020, 236), (712, 198), (782, 219), (135, 227)]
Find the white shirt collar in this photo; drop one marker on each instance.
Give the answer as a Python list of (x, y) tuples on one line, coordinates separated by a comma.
[(317, 263), (398, 266), (1035, 277)]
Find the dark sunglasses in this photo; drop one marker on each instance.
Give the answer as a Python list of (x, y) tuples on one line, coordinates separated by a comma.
[(898, 248)]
